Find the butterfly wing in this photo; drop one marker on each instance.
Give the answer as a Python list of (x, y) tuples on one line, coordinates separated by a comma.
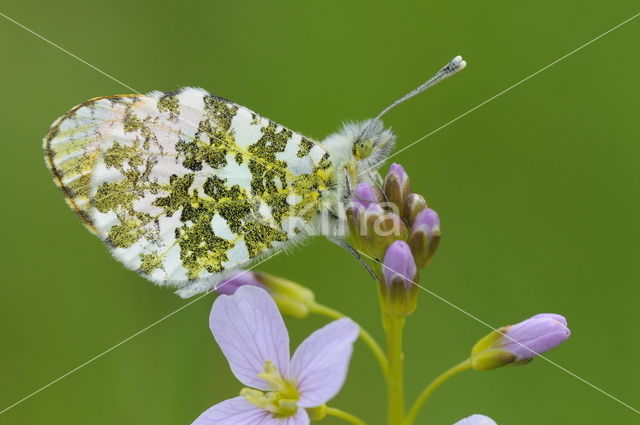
[(186, 186)]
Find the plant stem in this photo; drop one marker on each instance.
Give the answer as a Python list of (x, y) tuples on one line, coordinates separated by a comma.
[(429, 389), (346, 416), (395, 380), (364, 335)]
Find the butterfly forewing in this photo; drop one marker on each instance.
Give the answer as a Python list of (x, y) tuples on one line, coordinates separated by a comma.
[(185, 186)]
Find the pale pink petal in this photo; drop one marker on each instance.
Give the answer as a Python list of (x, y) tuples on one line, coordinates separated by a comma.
[(236, 411), (249, 330), (319, 365), (476, 420)]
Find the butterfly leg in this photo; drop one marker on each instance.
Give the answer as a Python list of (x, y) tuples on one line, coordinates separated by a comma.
[(355, 253)]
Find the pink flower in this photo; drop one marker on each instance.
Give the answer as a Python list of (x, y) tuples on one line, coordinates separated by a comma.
[(251, 334), (534, 336), (520, 343)]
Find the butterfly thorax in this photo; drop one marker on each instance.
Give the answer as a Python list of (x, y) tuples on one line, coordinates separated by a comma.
[(356, 152)]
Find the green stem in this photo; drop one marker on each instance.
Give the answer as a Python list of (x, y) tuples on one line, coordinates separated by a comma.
[(395, 382), (344, 415), (364, 335), (429, 389)]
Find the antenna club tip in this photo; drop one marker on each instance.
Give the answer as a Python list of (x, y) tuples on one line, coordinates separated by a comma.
[(459, 62), (453, 66)]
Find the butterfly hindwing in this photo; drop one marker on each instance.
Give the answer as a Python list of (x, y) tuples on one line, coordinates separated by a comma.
[(186, 186)]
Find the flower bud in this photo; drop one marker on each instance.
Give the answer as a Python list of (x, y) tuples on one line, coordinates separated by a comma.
[(415, 205), (292, 298), (399, 265), (397, 186), (382, 230), (425, 236), (518, 344), (365, 194), (317, 413), (399, 275), (354, 223), (367, 219)]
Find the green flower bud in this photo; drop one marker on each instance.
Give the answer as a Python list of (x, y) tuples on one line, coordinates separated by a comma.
[(292, 298), (486, 356), (415, 205), (356, 223), (381, 231), (317, 413)]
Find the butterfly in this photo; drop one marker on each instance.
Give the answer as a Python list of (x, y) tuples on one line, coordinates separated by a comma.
[(184, 187)]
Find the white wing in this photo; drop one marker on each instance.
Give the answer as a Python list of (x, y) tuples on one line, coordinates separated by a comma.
[(186, 186)]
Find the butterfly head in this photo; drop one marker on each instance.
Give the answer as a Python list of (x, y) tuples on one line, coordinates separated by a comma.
[(360, 146), (372, 144)]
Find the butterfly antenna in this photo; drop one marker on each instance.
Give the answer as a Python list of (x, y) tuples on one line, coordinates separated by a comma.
[(455, 65)]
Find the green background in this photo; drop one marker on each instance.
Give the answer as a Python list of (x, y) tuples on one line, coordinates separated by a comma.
[(537, 192)]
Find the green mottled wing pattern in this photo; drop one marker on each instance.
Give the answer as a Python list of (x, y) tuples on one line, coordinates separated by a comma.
[(186, 186)]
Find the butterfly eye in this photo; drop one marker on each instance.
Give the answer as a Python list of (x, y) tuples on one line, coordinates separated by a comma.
[(362, 148)]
